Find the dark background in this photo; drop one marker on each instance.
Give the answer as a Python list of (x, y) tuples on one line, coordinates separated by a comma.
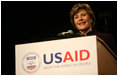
[(34, 21)]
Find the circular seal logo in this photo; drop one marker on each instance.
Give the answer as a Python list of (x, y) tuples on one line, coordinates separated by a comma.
[(31, 62)]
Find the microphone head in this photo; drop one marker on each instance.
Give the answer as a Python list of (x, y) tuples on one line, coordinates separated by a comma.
[(70, 31), (65, 33)]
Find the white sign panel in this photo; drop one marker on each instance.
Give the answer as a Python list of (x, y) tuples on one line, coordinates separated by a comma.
[(72, 56)]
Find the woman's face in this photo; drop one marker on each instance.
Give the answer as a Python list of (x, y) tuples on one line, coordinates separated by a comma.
[(82, 20)]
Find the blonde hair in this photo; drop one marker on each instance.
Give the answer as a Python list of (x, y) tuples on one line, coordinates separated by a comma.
[(84, 6)]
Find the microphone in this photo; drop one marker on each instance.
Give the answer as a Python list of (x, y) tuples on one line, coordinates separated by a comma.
[(69, 32)]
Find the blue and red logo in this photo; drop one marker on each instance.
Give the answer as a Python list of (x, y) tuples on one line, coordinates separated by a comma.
[(31, 62), (67, 57)]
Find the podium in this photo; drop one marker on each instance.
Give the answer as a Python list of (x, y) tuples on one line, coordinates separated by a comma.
[(107, 63), (73, 56)]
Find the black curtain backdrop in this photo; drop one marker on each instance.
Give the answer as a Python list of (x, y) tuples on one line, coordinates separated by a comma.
[(35, 21)]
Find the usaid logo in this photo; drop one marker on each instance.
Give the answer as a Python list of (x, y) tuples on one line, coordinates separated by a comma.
[(81, 55), (31, 62)]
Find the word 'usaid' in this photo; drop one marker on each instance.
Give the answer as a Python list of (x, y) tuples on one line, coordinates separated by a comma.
[(67, 57)]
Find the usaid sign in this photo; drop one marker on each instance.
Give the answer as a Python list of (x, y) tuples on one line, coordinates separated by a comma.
[(72, 56)]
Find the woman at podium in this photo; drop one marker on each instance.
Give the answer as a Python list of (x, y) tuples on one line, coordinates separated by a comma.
[(83, 19)]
